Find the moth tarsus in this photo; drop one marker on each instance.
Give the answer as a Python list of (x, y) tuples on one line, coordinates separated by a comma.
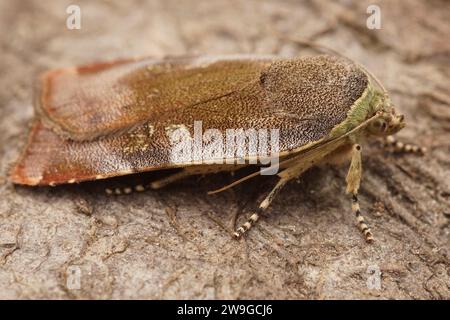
[(247, 225), (395, 145)]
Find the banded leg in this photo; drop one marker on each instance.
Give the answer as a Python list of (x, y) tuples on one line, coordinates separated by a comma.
[(125, 190), (353, 182), (183, 173), (398, 146), (363, 227), (262, 207), (194, 170)]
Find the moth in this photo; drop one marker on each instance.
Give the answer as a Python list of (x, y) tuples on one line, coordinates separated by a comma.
[(111, 119)]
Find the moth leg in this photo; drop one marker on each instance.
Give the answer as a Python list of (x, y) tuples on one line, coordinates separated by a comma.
[(262, 207), (293, 168), (153, 185), (125, 190), (353, 180), (392, 143), (157, 184)]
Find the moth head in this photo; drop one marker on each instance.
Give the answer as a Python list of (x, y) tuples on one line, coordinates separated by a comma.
[(387, 122)]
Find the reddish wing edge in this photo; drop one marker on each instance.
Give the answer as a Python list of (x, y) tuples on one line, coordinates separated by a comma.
[(49, 159), (93, 101), (52, 158)]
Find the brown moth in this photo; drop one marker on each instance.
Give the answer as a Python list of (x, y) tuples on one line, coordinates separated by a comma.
[(111, 119)]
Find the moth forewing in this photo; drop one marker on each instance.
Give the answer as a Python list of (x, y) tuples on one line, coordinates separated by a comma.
[(111, 119), (361, 115)]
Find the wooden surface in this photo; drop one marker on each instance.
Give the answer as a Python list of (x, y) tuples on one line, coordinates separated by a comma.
[(173, 243)]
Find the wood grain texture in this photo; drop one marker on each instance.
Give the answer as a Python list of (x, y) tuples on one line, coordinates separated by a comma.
[(171, 243)]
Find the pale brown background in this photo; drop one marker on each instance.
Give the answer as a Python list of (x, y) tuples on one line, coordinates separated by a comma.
[(170, 244)]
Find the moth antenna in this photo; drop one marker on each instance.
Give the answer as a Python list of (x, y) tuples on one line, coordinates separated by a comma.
[(322, 47)]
